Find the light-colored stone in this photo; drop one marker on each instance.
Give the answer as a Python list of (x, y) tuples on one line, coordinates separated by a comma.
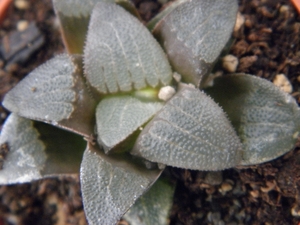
[(22, 25), (165, 93), (230, 63), (240, 20), (22, 4), (283, 83)]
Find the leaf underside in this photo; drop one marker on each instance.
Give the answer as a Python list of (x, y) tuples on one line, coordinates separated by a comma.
[(111, 185), (266, 119), (153, 207), (55, 92), (194, 34), (118, 117), (121, 54), (192, 132)]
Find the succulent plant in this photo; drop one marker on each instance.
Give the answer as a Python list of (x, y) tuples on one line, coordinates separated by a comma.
[(133, 93)]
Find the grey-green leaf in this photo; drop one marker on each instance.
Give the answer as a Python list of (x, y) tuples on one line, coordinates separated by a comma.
[(32, 150), (56, 93), (74, 16), (266, 119), (111, 185), (153, 207), (23, 154), (121, 54), (194, 34), (191, 131), (119, 116)]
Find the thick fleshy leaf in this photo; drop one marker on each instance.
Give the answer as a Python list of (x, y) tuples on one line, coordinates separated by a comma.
[(31, 150), (74, 16), (194, 34), (118, 117), (55, 93), (191, 131), (266, 119), (110, 185), (153, 207), (121, 54), (25, 155)]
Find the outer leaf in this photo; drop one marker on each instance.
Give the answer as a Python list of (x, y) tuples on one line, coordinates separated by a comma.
[(55, 93), (192, 132), (121, 54), (194, 34), (26, 154), (74, 16), (118, 117), (111, 185), (266, 119), (153, 207)]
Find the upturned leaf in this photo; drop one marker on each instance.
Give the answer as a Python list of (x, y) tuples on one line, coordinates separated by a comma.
[(110, 185), (191, 131), (154, 206), (32, 150), (194, 34), (121, 54), (74, 16), (266, 119), (119, 116), (55, 93)]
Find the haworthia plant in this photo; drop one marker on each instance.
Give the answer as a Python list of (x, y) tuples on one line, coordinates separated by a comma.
[(130, 117)]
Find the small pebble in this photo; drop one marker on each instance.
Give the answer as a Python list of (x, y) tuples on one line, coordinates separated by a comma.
[(269, 186), (230, 63), (22, 4), (225, 187), (254, 193), (283, 83), (165, 93), (295, 211), (240, 20), (22, 25)]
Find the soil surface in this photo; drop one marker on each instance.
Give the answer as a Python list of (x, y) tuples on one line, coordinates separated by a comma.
[(266, 44)]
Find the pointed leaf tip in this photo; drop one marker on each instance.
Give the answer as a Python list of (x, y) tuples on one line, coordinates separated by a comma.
[(194, 34), (120, 53), (191, 131), (55, 93), (46, 92), (118, 117), (266, 119), (111, 185)]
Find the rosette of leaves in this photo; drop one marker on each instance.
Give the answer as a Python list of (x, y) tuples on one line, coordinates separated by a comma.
[(128, 101)]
